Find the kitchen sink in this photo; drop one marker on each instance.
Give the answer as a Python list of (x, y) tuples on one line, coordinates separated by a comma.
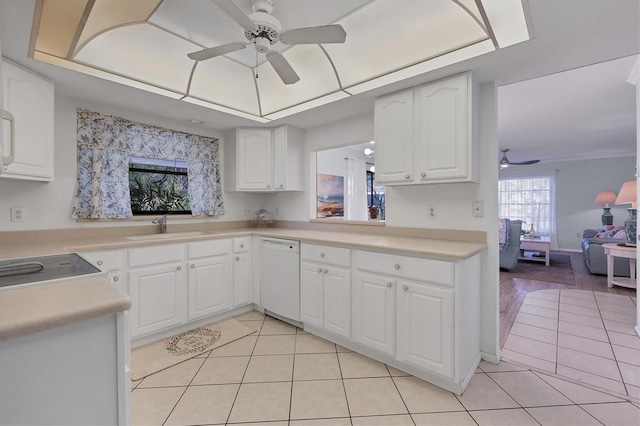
[(167, 236)]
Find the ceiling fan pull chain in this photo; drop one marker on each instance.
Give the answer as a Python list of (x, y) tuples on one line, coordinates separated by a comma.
[(256, 64)]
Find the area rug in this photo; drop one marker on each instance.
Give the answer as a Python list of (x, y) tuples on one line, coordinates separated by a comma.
[(156, 356), (559, 270)]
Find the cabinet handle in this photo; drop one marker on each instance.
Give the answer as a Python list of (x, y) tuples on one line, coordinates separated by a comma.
[(407, 176), (405, 288), (242, 245), (192, 266), (116, 278), (325, 271), (179, 268), (237, 257), (268, 186), (321, 254), (423, 174), (281, 186), (397, 266), (99, 262), (320, 270), (389, 284)]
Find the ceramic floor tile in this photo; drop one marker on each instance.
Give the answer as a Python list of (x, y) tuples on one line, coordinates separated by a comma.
[(630, 373), (240, 347), (301, 331), (318, 399), (488, 367), (254, 325), (204, 405), (178, 375), (203, 355), (342, 349), (623, 413), (277, 327), (626, 340), (509, 417), (372, 397), (577, 393), (533, 301), (402, 420), (461, 418), (423, 397), (590, 363), (269, 368), (613, 307), (542, 312), (310, 344), (617, 299), (577, 294), (534, 362), (535, 333), (537, 321), (528, 389), (261, 402), (591, 379), (583, 331), (261, 424), (574, 309), (633, 392), (343, 421), (152, 406), (627, 355), (531, 347), (482, 393), (562, 416), (620, 327), (356, 366), (554, 297), (577, 302), (222, 370), (620, 317), (581, 319), (593, 347), (251, 315), (316, 367), (275, 345), (397, 373), (135, 383)]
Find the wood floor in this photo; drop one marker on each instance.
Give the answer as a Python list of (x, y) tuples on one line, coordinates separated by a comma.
[(513, 290)]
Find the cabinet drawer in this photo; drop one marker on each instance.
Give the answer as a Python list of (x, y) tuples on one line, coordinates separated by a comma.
[(208, 248), (435, 271), (104, 260), (155, 255), (241, 245), (326, 254)]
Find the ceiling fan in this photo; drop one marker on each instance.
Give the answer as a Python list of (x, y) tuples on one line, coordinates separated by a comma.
[(504, 161), (264, 30)]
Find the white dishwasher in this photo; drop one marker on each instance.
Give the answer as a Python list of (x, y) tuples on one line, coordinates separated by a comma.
[(280, 277)]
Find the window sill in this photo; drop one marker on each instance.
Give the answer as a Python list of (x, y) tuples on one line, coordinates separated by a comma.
[(340, 221), (148, 218)]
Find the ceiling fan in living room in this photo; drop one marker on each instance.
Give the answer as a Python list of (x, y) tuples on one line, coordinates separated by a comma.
[(504, 161), (263, 30)]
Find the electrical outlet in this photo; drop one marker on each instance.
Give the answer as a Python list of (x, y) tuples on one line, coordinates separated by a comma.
[(277, 210), (17, 214), (432, 212), (477, 209)]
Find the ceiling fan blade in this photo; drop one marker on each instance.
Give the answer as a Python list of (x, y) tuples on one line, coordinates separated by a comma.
[(314, 35), (524, 163), (212, 52), (282, 68), (235, 13)]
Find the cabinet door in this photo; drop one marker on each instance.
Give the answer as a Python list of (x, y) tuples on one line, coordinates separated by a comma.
[(255, 159), (210, 285), (443, 136), (374, 312), (337, 301), (425, 327), (311, 294), (157, 298), (29, 98), (241, 279), (393, 131)]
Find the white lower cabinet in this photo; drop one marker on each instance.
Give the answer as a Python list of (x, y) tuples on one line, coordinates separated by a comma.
[(424, 332), (374, 312), (210, 286), (112, 262), (242, 272)]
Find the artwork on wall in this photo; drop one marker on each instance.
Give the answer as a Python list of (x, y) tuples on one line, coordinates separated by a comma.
[(330, 196)]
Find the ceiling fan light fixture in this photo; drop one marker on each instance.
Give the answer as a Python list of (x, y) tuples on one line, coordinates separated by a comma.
[(262, 44)]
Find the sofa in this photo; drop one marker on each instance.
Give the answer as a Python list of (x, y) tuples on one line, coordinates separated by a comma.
[(595, 258), (509, 254)]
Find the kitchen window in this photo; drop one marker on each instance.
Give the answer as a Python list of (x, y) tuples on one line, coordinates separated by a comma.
[(158, 186)]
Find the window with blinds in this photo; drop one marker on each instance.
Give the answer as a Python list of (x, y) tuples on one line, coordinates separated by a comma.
[(530, 199)]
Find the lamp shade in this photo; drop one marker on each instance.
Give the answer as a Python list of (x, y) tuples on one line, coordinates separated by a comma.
[(605, 197), (627, 194)]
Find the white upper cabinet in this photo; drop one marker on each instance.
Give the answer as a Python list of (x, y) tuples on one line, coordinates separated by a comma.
[(425, 135), (27, 101), (265, 159)]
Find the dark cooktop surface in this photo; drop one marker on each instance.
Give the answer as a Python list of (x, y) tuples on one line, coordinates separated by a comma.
[(43, 268)]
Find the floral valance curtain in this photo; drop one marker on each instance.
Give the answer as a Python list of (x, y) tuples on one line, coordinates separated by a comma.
[(105, 144)]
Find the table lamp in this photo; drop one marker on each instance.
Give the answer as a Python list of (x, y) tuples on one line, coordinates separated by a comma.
[(627, 195), (606, 197)]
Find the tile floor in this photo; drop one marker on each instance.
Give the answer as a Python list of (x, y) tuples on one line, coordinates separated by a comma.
[(284, 376), (583, 335)]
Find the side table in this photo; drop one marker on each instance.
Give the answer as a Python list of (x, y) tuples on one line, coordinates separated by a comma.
[(614, 250)]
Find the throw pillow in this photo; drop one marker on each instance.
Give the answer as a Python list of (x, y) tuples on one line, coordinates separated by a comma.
[(608, 231), (621, 234)]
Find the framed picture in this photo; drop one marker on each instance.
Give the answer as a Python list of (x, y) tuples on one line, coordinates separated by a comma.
[(330, 196)]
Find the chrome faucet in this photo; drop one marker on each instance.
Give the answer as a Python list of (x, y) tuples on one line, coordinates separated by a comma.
[(162, 221)]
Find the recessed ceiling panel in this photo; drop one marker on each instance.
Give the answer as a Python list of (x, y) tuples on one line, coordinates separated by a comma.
[(386, 36), (227, 83), (142, 52), (317, 78), (58, 24)]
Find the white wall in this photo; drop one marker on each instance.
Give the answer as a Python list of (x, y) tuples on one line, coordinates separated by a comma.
[(49, 205), (577, 184)]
